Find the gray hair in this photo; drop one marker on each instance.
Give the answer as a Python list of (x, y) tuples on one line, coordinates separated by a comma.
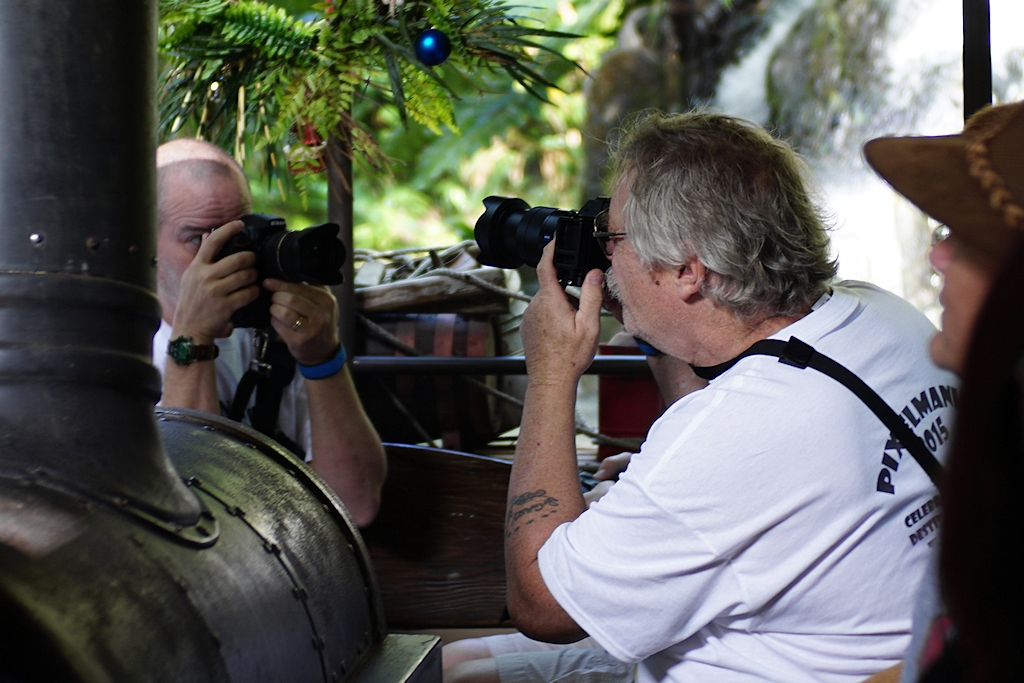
[(725, 191)]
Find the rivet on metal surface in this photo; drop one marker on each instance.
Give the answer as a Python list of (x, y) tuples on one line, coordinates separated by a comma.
[(37, 238)]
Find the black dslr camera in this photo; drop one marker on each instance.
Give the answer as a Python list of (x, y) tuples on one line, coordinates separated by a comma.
[(511, 234), (314, 255)]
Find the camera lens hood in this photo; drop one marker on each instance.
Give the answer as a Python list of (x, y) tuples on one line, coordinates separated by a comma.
[(511, 234)]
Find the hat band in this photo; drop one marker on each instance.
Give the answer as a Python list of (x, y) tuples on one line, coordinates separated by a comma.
[(979, 166)]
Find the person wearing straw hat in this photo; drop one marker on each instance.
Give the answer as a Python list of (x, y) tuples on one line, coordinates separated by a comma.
[(973, 183)]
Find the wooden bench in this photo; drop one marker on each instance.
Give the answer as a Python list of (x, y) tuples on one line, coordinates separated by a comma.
[(437, 544)]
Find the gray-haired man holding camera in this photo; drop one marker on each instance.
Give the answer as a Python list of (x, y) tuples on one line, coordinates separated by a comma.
[(771, 527), (201, 194)]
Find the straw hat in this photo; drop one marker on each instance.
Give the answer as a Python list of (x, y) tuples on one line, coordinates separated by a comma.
[(973, 182)]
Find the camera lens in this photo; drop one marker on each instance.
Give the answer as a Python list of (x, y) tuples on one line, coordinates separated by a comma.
[(313, 255), (511, 234)]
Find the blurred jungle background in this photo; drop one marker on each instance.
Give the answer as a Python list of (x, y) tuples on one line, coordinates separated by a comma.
[(825, 74)]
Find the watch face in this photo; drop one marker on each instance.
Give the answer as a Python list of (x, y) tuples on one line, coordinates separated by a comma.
[(181, 350)]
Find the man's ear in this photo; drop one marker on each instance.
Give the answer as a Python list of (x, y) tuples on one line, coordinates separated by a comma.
[(688, 279)]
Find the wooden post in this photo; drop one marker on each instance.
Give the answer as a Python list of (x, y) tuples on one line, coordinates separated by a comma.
[(339, 210)]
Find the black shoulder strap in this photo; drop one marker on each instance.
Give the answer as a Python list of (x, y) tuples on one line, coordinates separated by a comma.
[(269, 380), (801, 355)]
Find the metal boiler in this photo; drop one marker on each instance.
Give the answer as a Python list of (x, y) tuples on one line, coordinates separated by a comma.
[(134, 547)]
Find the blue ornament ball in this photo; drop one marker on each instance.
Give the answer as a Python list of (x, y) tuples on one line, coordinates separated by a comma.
[(432, 47)]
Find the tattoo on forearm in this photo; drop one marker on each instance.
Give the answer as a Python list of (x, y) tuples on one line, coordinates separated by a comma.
[(528, 504)]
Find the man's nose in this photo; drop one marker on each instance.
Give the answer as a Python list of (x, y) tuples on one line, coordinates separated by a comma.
[(941, 255)]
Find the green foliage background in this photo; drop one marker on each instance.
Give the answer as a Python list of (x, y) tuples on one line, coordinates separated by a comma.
[(510, 144)]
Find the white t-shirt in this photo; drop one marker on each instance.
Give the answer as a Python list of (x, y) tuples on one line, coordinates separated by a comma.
[(233, 360), (768, 530)]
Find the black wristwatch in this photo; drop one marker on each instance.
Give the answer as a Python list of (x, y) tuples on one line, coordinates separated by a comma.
[(184, 351)]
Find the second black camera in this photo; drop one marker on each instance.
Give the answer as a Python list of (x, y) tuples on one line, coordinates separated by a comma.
[(314, 255)]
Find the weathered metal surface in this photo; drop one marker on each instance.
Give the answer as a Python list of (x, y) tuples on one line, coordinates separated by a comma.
[(78, 115), (285, 593)]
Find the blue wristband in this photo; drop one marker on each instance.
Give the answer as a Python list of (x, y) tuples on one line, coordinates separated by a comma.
[(646, 348), (326, 369)]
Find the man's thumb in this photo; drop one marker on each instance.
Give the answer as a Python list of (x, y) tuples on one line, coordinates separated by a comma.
[(592, 293)]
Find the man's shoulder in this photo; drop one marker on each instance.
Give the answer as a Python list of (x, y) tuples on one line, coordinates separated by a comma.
[(865, 315), (875, 298)]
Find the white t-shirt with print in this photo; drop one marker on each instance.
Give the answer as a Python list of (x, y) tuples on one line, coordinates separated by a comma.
[(769, 530)]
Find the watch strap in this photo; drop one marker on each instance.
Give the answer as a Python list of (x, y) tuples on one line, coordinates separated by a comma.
[(184, 351)]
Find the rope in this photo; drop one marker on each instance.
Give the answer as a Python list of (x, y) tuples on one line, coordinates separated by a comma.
[(400, 407), (371, 255), (481, 283)]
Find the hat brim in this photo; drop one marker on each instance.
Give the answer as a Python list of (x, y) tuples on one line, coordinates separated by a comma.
[(932, 173)]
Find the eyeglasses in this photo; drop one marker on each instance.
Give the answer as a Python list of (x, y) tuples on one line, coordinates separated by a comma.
[(606, 240), (940, 231)]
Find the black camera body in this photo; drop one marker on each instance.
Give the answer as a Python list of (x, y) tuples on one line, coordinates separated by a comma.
[(314, 255), (511, 234)]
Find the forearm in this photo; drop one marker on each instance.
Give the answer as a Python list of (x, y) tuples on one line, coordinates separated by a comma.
[(191, 386), (346, 450), (544, 492), (559, 341), (675, 378)]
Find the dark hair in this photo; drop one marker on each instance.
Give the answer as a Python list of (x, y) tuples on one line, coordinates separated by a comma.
[(982, 553)]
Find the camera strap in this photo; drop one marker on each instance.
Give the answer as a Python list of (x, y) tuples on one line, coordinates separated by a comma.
[(802, 355), (270, 372)]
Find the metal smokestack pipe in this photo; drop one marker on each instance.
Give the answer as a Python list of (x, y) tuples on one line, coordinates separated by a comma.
[(77, 253), (112, 570)]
